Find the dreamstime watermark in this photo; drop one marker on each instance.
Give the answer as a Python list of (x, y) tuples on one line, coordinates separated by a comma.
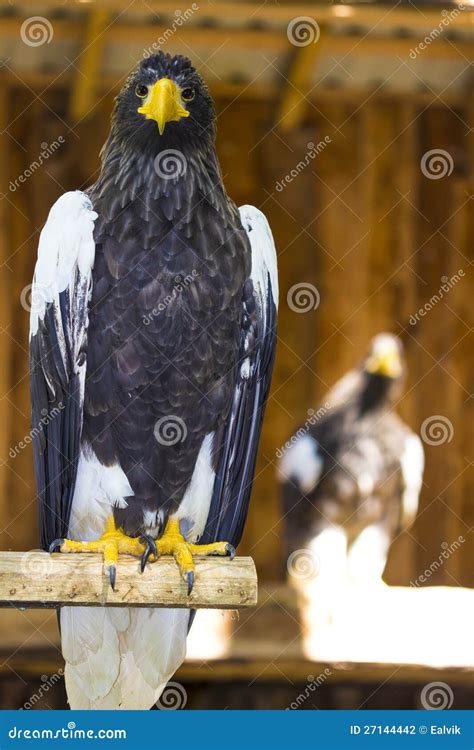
[(447, 551), (47, 149), (303, 564), (71, 732), (46, 684), (314, 149), (302, 31), (170, 164), (447, 284), (313, 684), (437, 696), (437, 430), (448, 16), (303, 297), (436, 164), (170, 430), (172, 698), (36, 31), (181, 283), (313, 417), (36, 563), (46, 418), (33, 297), (180, 18)]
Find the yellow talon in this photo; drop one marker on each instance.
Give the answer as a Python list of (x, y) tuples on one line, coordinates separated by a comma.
[(114, 542), (111, 544), (173, 543)]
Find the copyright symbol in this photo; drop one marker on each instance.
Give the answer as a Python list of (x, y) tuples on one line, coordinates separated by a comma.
[(422, 729)]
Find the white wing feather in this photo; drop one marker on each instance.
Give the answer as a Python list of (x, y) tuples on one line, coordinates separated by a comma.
[(264, 258), (66, 244)]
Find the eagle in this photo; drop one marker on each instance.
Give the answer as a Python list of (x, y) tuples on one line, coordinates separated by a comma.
[(351, 475), (152, 339)]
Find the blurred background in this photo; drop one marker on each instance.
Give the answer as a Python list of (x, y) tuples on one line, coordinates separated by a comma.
[(351, 125)]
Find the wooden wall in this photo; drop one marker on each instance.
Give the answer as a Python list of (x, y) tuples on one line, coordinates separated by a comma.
[(360, 222)]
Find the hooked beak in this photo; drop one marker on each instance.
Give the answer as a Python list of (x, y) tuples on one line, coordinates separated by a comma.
[(163, 104), (385, 363)]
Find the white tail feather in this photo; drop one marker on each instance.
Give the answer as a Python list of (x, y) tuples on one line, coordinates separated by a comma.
[(120, 658)]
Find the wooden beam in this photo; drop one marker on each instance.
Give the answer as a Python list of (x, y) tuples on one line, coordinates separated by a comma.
[(36, 579), (294, 101), (375, 14), (153, 37), (88, 69)]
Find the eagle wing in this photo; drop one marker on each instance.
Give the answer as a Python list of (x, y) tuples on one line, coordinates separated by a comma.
[(238, 450), (60, 298)]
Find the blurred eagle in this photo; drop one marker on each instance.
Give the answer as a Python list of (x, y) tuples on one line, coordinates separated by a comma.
[(151, 348), (351, 476)]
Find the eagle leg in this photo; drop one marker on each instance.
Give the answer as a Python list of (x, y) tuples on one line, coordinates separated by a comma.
[(173, 543), (111, 544)]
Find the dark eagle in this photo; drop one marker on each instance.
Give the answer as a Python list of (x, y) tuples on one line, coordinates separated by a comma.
[(351, 476), (151, 348)]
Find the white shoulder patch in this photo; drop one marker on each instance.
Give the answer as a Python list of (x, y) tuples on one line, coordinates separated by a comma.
[(66, 243), (302, 463), (264, 259)]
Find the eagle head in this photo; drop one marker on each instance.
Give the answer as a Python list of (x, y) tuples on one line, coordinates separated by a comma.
[(165, 98), (385, 357)]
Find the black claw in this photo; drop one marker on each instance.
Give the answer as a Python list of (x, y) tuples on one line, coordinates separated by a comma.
[(112, 576), (230, 549), (57, 544), (190, 580), (150, 549)]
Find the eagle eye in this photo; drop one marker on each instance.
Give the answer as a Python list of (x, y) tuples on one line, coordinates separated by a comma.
[(188, 94), (141, 90)]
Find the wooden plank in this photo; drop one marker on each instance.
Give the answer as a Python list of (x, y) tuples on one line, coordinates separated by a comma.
[(19, 519), (464, 310), (458, 392), (379, 165), (343, 232), (37, 579), (401, 560), (373, 15), (298, 82), (87, 71), (439, 130), (290, 218), (154, 37), (6, 302)]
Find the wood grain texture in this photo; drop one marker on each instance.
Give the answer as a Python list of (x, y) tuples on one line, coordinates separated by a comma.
[(6, 303), (37, 579)]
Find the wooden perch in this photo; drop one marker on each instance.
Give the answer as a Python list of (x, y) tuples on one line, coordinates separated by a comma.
[(37, 579)]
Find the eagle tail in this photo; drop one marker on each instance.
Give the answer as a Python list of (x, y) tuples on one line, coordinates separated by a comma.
[(120, 658)]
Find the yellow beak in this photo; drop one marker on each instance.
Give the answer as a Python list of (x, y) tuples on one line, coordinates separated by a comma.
[(386, 363), (163, 104)]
